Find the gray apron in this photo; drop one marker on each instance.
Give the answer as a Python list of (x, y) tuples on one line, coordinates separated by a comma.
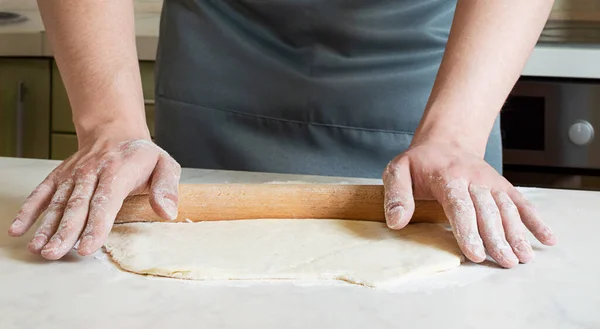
[(324, 87)]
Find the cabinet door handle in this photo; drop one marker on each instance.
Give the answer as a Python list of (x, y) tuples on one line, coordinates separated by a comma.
[(20, 118), (148, 101)]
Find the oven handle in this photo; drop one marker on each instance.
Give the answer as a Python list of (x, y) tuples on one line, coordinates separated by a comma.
[(20, 116)]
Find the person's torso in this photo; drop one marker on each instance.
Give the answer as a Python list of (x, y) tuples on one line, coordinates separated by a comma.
[(357, 63), (333, 87)]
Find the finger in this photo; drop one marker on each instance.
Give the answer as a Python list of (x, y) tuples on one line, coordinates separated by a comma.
[(490, 227), (399, 205), (52, 217), (73, 219), (33, 207), (531, 218), (106, 202), (164, 188), (513, 227), (457, 204)]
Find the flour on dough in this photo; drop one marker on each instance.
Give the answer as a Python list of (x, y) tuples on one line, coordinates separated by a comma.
[(360, 252)]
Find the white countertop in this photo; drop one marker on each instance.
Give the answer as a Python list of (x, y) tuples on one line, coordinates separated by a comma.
[(29, 39), (559, 289), (563, 61)]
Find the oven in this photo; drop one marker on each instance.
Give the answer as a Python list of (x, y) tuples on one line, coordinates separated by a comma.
[(551, 133)]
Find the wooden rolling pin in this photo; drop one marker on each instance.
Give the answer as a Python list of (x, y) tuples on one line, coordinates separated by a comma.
[(207, 202)]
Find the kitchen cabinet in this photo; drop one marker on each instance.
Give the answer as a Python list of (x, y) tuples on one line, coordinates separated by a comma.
[(25, 107), (591, 183), (63, 146), (64, 139), (573, 21)]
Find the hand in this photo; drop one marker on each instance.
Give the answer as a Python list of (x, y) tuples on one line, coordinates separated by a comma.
[(484, 210), (83, 195)]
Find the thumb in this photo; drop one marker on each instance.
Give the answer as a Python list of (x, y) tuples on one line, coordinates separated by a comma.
[(164, 195), (399, 204)]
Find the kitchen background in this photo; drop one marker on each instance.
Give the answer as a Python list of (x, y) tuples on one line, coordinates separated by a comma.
[(548, 122)]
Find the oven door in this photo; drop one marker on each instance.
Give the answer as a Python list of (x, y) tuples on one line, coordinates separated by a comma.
[(548, 133)]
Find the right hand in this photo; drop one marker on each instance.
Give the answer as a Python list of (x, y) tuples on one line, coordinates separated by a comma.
[(83, 195)]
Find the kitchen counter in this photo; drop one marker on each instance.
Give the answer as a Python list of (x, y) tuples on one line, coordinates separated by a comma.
[(559, 289), (29, 39)]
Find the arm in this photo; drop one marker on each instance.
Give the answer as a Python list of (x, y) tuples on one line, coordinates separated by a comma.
[(488, 45), (94, 47)]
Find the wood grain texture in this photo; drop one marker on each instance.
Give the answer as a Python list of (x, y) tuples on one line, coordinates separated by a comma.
[(208, 202)]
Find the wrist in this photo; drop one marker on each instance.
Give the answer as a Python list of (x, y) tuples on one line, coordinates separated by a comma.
[(118, 130), (470, 138)]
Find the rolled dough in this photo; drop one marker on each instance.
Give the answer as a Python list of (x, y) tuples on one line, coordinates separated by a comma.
[(360, 252)]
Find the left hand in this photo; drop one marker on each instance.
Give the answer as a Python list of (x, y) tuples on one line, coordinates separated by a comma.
[(485, 211)]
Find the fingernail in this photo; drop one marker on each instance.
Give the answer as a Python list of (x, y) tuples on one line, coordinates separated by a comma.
[(480, 253), (510, 256), (170, 208), (86, 240), (48, 251), (524, 247), (548, 233), (16, 224), (525, 252), (39, 241), (475, 243), (54, 243), (394, 216), (84, 245)]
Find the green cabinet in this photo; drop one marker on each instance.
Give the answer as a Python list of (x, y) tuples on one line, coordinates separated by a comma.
[(35, 115), (25, 107), (64, 140), (63, 146), (62, 121)]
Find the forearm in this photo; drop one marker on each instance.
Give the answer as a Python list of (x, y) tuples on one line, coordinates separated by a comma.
[(94, 47), (488, 47)]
